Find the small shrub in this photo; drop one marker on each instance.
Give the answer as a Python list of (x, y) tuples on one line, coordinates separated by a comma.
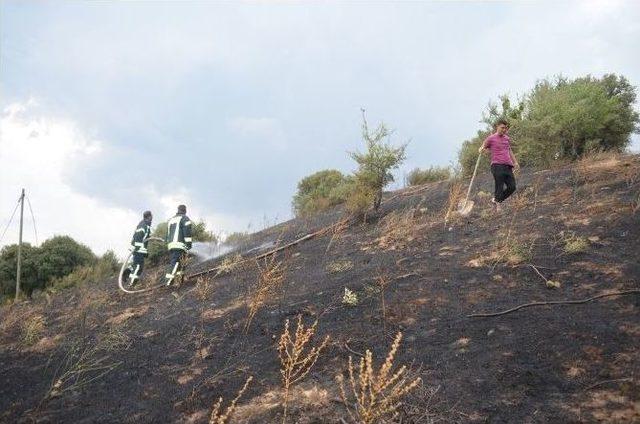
[(271, 275), (432, 174), (296, 359), (375, 394), (217, 417), (349, 298), (575, 244)]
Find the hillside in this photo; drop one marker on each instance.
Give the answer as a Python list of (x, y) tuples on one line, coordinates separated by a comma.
[(94, 354)]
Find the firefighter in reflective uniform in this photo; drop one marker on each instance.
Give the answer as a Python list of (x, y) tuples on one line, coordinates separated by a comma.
[(178, 243), (139, 243)]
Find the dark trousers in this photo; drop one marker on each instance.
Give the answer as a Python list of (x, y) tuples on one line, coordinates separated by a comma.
[(176, 265), (505, 181), (136, 266)]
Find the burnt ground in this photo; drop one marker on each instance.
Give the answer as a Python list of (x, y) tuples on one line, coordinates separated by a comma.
[(99, 355)]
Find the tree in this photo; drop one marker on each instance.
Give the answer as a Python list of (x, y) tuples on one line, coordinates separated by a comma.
[(563, 119), (319, 191), (59, 256), (8, 267), (376, 163)]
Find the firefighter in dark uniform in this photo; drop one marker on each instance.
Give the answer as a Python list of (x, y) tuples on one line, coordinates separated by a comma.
[(139, 243), (178, 243)]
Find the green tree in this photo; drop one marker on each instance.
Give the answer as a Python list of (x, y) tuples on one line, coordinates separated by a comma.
[(377, 162), (563, 119), (8, 267), (59, 256), (319, 191)]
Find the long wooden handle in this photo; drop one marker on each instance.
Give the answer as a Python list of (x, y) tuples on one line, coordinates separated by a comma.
[(475, 170)]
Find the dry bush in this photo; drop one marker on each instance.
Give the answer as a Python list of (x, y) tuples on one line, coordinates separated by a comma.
[(456, 194), (230, 264), (397, 229), (297, 356), (203, 291), (337, 231), (217, 417), (32, 330), (271, 276), (376, 394)]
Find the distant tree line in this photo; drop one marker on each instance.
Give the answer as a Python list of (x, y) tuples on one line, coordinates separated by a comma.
[(49, 265)]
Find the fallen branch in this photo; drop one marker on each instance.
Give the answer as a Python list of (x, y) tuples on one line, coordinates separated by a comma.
[(618, 380), (555, 302), (346, 346)]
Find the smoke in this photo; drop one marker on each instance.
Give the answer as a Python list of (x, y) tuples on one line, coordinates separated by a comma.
[(205, 251)]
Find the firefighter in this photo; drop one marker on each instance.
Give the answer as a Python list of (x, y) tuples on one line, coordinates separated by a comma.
[(178, 243), (139, 243)]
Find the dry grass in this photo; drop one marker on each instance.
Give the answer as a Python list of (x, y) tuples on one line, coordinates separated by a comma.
[(571, 243), (397, 229), (339, 266), (271, 276), (375, 395), (297, 356), (32, 329), (217, 417), (337, 231), (83, 363), (230, 264)]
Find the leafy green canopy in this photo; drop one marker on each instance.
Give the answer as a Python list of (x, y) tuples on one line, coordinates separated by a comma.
[(562, 119)]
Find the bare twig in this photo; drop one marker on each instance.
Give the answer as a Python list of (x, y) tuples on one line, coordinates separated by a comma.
[(556, 302), (618, 380)]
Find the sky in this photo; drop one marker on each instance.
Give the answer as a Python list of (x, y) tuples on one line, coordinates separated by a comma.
[(110, 108)]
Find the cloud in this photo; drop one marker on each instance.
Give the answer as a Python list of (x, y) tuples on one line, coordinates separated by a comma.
[(37, 153)]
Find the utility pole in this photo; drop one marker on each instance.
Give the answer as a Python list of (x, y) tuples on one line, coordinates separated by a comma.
[(19, 246)]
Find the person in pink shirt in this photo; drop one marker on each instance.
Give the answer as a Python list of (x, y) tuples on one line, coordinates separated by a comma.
[(502, 163)]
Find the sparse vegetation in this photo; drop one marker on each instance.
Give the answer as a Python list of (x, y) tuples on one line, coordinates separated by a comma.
[(430, 175), (32, 329), (297, 357), (339, 266), (271, 275), (217, 417), (575, 244), (376, 394)]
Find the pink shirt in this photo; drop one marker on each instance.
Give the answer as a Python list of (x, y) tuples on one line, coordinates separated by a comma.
[(500, 147)]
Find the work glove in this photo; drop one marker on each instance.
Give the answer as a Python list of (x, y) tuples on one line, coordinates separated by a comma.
[(189, 244), (132, 248)]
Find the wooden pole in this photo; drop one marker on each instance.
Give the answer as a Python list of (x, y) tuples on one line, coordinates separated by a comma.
[(20, 247)]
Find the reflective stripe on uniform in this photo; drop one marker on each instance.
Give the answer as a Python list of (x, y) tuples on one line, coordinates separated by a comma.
[(187, 239), (140, 229), (176, 245), (139, 243), (187, 223)]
